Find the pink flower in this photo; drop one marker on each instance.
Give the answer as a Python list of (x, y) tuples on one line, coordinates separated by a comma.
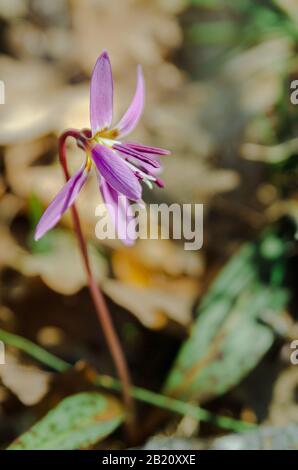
[(121, 166)]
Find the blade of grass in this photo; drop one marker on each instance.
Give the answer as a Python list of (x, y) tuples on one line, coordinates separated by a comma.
[(110, 383), (34, 351)]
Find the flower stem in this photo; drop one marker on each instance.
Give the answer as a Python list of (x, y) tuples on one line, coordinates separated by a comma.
[(101, 308)]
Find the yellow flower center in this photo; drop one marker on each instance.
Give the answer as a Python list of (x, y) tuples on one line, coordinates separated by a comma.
[(106, 137)]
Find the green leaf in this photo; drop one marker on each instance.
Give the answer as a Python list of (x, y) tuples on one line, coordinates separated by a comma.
[(213, 32), (228, 338), (35, 211), (240, 4), (77, 422)]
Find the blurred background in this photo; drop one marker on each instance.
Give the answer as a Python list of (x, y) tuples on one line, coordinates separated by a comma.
[(213, 327)]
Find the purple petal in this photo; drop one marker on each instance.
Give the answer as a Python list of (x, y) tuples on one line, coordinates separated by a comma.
[(101, 94), (160, 183), (116, 172), (150, 164), (138, 155), (64, 199), (133, 114), (118, 207), (146, 149), (144, 166)]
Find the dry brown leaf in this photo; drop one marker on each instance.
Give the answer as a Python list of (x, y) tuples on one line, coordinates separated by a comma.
[(283, 208), (161, 273), (203, 181), (154, 256), (45, 181), (11, 254), (284, 408), (76, 112), (10, 206), (29, 40), (171, 6), (28, 383), (61, 268), (32, 104), (153, 307), (144, 32)]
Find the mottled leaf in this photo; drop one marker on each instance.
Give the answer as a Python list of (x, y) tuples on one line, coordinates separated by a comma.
[(228, 339), (77, 422)]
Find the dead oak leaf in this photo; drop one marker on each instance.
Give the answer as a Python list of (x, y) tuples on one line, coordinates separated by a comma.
[(153, 307), (61, 268), (33, 103), (28, 383)]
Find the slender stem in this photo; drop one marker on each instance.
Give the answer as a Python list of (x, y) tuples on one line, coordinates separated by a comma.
[(141, 394), (96, 294), (176, 406), (33, 350)]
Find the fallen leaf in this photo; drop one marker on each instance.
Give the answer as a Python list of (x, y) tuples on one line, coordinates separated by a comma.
[(28, 383), (31, 104), (153, 307), (161, 273), (61, 268)]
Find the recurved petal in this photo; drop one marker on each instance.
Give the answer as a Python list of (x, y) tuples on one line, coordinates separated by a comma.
[(146, 149), (129, 152), (147, 168), (64, 199), (101, 94), (116, 172), (133, 114), (119, 210)]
